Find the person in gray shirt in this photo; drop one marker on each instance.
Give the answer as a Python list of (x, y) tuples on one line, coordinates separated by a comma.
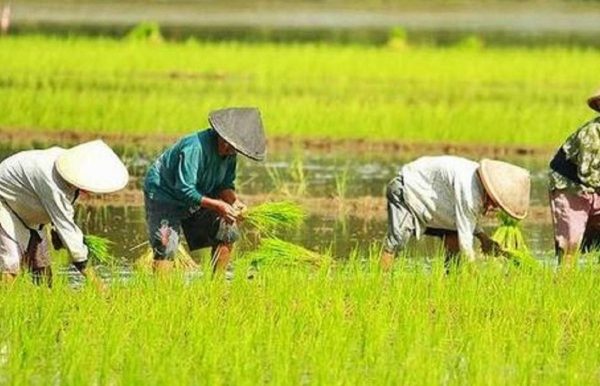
[(39, 187), (445, 196)]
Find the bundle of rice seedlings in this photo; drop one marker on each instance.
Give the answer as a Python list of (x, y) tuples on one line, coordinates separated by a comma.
[(510, 238), (98, 249), (274, 251), (509, 234), (270, 217), (182, 260)]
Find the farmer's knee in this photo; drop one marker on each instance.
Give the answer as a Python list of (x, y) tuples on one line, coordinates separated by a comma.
[(165, 242), (227, 233)]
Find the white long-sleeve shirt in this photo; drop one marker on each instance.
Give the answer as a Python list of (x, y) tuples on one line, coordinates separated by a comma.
[(445, 192), (38, 195)]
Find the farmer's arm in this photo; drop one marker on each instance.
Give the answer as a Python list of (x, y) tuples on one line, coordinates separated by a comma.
[(61, 212), (186, 176), (466, 219), (488, 245), (228, 195), (227, 188)]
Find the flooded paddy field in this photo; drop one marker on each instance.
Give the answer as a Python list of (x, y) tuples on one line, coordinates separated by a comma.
[(480, 85), (344, 198)]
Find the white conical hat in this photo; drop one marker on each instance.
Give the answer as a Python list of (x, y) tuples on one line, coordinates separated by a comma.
[(594, 101), (508, 185), (94, 167)]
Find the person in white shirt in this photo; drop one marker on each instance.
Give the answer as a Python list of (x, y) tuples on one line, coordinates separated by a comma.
[(445, 196), (39, 187)]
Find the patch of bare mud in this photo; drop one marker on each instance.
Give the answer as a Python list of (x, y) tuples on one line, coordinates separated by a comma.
[(25, 137)]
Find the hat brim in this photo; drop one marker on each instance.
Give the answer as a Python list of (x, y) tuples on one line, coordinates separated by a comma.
[(242, 128), (483, 172), (93, 167), (237, 146)]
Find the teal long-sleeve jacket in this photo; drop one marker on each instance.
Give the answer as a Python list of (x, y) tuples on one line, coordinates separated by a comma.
[(190, 169)]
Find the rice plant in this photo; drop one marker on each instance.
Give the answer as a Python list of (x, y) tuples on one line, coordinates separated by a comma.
[(337, 326), (509, 236), (99, 249), (277, 252), (429, 94), (270, 217)]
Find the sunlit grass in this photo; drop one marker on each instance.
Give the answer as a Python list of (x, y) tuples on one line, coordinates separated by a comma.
[(492, 96), (349, 324)]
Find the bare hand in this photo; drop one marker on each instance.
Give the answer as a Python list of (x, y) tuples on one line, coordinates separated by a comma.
[(490, 246), (226, 211), (240, 207)]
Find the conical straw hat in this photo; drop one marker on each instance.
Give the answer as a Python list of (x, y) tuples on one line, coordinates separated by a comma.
[(508, 185), (594, 101), (94, 167), (242, 128)]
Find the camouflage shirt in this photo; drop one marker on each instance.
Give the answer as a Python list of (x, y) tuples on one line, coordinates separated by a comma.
[(583, 149)]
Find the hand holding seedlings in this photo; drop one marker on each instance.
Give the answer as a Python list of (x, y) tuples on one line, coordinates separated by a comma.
[(241, 208), (223, 209), (488, 245)]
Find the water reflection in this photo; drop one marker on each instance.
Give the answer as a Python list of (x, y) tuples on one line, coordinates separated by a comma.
[(340, 236)]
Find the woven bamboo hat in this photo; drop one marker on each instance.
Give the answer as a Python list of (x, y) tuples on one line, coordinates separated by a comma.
[(243, 129), (508, 185), (94, 167), (594, 101)]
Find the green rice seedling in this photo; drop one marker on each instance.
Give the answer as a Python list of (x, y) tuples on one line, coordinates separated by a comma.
[(341, 183), (277, 252), (522, 258), (416, 327), (99, 249), (91, 85), (271, 217), (509, 235), (293, 183), (510, 238)]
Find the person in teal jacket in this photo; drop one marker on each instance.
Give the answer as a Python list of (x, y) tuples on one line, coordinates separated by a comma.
[(191, 187)]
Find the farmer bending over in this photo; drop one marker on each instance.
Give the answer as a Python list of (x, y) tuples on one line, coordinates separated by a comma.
[(445, 196), (191, 187), (574, 186), (39, 187)]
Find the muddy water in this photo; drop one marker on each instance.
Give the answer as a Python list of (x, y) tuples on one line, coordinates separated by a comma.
[(313, 176), (126, 227)]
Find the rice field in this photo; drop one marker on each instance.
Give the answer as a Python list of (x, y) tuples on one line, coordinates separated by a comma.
[(314, 312), (489, 324), (467, 93)]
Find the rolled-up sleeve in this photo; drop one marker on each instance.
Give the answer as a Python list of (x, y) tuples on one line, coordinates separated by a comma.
[(190, 159)]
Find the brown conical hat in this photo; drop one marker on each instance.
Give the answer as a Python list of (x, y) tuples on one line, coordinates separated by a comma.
[(242, 128), (594, 101), (508, 185), (94, 167)]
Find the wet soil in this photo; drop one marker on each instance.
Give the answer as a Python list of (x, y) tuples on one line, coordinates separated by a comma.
[(28, 137)]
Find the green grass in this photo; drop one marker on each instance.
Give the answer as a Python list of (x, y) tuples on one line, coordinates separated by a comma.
[(350, 325), (489, 95)]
